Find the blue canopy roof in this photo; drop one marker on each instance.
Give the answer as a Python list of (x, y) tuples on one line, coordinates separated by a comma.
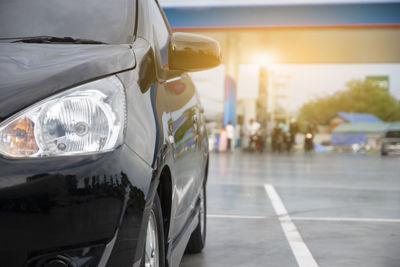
[(353, 14), (394, 126), (362, 127), (356, 133), (358, 117)]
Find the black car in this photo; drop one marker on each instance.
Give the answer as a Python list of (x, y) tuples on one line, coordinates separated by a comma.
[(103, 147), (390, 142)]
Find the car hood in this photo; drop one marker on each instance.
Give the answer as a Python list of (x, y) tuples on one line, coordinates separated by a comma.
[(31, 72)]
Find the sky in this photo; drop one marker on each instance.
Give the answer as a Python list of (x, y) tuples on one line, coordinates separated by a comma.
[(186, 3)]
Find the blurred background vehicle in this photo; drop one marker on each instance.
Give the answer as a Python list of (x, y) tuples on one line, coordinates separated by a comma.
[(390, 142)]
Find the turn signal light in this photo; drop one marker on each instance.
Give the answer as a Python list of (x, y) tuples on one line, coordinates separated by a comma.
[(18, 138)]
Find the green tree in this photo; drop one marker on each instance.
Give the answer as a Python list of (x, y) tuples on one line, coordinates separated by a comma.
[(360, 96)]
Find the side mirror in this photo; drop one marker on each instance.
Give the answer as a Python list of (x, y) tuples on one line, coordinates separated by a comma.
[(193, 52)]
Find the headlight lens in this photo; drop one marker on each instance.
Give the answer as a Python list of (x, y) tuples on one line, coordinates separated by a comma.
[(86, 119)]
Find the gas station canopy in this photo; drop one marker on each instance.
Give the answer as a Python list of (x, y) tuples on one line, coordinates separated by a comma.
[(307, 33)]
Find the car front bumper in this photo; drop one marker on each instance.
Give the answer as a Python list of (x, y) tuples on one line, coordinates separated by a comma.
[(69, 208)]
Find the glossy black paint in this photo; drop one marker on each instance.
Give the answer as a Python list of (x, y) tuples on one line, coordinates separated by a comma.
[(31, 72), (193, 52), (54, 204), (92, 210)]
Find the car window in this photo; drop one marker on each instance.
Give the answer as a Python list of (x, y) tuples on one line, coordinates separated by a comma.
[(161, 31), (393, 134)]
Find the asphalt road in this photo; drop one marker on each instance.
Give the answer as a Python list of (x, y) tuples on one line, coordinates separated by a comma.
[(320, 210)]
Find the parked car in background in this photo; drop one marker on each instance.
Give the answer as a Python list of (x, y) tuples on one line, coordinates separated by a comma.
[(390, 142), (103, 147)]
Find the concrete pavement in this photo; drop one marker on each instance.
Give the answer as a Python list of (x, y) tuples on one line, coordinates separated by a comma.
[(343, 210)]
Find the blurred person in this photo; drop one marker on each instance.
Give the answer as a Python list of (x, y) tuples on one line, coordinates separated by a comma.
[(284, 141), (217, 139), (254, 132), (293, 129), (239, 135), (277, 138), (230, 131), (223, 140), (287, 141), (309, 139)]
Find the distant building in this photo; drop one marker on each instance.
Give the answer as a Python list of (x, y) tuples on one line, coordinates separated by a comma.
[(358, 128), (351, 117), (362, 133), (366, 133)]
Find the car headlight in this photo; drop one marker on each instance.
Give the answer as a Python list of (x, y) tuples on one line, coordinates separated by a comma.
[(85, 119)]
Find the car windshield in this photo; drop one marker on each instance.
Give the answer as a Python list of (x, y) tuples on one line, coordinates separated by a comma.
[(393, 134), (107, 21)]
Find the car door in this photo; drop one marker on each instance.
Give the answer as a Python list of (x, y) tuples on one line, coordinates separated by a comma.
[(182, 126), (184, 132)]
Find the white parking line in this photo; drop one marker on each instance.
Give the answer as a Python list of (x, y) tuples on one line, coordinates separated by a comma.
[(300, 218), (338, 219), (229, 216), (300, 250)]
